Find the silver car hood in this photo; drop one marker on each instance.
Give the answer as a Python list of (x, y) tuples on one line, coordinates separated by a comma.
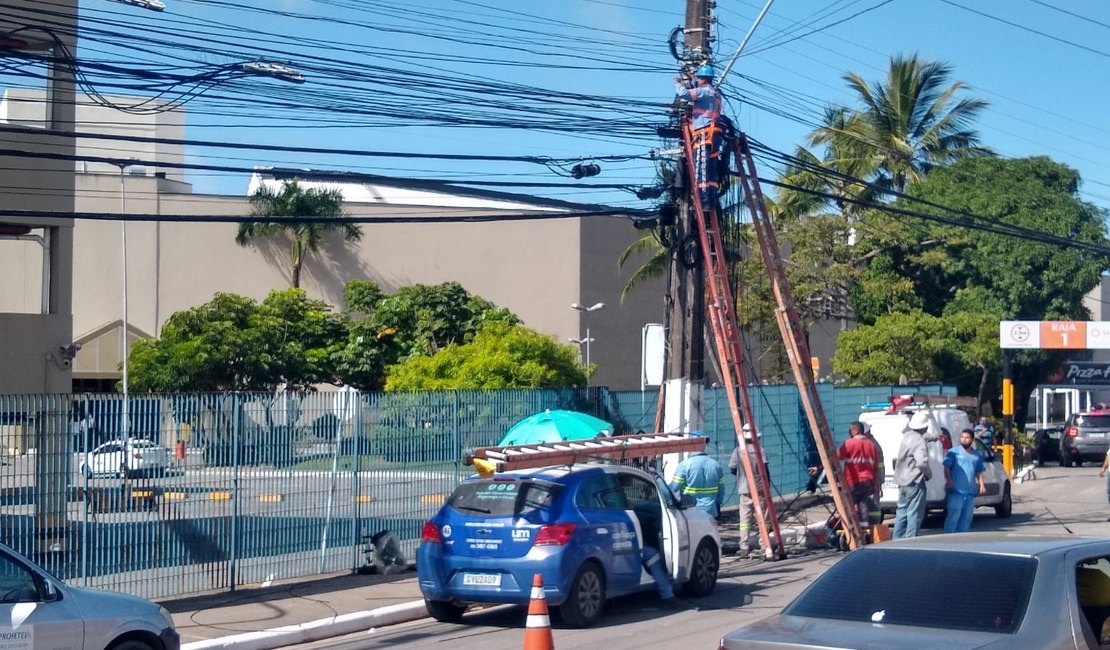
[(781, 631), (106, 612)]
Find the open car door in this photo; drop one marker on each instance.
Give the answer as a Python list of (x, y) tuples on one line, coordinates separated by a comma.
[(676, 533)]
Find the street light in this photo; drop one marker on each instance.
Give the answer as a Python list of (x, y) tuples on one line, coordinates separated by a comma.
[(264, 68), (153, 5), (586, 310), (125, 422)]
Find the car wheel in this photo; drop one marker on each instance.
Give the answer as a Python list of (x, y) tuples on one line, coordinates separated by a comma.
[(131, 644), (586, 597), (1006, 507), (703, 575), (445, 611)]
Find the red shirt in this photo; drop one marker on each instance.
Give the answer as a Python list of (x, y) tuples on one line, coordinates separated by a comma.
[(860, 460)]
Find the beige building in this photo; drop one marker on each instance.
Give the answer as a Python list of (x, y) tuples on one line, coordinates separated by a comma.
[(536, 268), (36, 249)]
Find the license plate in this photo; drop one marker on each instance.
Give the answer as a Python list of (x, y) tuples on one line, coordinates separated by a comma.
[(889, 484), (1096, 434), (482, 579)]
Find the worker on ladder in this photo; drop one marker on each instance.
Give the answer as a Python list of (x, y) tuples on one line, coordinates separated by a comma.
[(705, 101)]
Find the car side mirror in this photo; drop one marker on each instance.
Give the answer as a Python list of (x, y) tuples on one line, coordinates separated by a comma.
[(687, 501), (49, 591)]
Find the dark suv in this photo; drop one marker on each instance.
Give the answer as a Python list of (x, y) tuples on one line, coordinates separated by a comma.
[(1086, 437)]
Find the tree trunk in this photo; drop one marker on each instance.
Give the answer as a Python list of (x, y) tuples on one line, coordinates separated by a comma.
[(298, 260), (983, 388)]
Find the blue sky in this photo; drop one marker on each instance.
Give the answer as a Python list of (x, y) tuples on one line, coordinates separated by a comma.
[(1047, 96)]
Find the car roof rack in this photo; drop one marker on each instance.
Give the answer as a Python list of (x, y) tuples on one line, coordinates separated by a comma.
[(488, 460)]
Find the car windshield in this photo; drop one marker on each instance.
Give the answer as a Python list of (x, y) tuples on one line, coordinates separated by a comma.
[(1093, 421), (504, 498), (946, 590)]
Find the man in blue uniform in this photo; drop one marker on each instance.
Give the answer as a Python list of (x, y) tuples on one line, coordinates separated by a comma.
[(702, 478), (705, 112), (963, 475)]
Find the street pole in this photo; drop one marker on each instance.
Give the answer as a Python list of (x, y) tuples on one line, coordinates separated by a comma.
[(125, 420), (686, 303)]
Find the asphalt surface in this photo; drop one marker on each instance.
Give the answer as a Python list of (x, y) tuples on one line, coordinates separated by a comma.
[(1051, 500)]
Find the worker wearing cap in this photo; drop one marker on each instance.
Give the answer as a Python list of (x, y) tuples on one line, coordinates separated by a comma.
[(705, 112), (747, 505), (911, 472), (702, 478)]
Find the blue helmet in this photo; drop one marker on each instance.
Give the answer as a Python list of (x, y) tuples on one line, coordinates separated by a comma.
[(704, 70)]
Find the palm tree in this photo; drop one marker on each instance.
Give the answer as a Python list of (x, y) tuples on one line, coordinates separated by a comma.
[(913, 120), (292, 200), (841, 171), (658, 261)]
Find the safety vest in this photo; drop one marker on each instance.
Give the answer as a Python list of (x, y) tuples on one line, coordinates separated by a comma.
[(706, 103)]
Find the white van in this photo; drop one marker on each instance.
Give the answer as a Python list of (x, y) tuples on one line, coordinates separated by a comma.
[(887, 430)]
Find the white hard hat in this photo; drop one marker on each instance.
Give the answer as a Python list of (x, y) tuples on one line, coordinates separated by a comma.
[(748, 432), (919, 420)]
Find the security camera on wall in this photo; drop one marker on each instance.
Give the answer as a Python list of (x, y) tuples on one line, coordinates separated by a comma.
[(65, 355)]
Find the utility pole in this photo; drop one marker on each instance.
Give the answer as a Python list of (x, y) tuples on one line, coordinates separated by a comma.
[(686, 302)]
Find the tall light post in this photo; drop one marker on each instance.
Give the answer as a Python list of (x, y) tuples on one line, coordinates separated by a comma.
[(125, 420), (586, 311)]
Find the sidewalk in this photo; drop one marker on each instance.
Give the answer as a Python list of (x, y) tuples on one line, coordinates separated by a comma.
[(295, 611), (303, 610)]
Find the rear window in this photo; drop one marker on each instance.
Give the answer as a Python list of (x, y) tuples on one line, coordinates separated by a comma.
[(947, 590), (1093, 421), (504, 498)]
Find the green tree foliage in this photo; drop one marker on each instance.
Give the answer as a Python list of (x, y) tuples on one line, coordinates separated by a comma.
[(898, 346), (499, 356), (305, 237), (418, 320), (971, 279), (234, 343), (957, 268), (287, 340), (360, 296)]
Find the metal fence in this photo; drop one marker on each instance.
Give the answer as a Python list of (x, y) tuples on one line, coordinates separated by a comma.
[(261, 487)]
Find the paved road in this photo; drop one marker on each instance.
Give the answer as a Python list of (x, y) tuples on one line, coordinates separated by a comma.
[(1056, 500)]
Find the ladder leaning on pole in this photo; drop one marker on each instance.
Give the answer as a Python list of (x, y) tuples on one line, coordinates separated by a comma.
[(794, 338), (726, 335)]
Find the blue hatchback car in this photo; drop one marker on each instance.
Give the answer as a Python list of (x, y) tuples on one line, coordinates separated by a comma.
[(582, 527)]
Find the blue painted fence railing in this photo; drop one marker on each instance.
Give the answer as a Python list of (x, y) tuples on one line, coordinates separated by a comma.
[(241, 488)]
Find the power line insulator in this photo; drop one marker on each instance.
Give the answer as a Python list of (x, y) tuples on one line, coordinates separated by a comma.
[(583, 170)]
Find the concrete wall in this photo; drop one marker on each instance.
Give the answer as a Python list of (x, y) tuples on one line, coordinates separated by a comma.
[(29, 341)]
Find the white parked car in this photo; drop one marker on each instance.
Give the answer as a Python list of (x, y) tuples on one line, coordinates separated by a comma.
[(125, 459), (887, 430), (40, 611)]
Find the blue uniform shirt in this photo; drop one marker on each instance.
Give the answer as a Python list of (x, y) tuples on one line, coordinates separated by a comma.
[(702, 478), (706, 104), (964, 467)]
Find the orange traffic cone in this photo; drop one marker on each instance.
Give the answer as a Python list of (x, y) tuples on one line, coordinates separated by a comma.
[(537, 631)]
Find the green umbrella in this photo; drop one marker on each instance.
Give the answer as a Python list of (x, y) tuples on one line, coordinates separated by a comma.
[(553, 426)]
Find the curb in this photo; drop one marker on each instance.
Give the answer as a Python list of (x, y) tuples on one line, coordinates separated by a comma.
[(317, 630)]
